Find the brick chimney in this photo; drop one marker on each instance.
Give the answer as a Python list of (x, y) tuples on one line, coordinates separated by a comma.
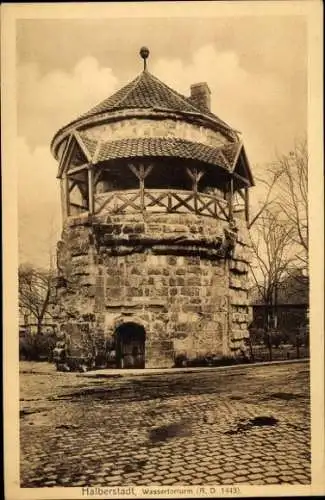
[(201, 95)]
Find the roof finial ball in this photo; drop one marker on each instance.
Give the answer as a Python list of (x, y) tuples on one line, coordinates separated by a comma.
[(144, 53)]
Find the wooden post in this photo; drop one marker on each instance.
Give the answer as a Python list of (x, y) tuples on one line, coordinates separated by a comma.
[(247, 205), (169, 202), (230, 199), (63, 200), (141, 174), (91, 200), (195, 175), (141, 183), (194, 187), (66, 195)]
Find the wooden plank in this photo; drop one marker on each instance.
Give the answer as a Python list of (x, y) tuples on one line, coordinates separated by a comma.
[(222, 210), (205, 204), (247, 205), (123, 197), (230, 199), (106, 202), (97, 175), (241, 194), (72, 185), (148, 170), (157, 200), (241, 178), (190, 174), (82, 145), (72, 204), (91, 199), (83, 189), (74, 170), (206, 210), (195, 196), (128, 202), (63, 199), (66, 195), (142, 193), (169, 204), (63, 162), (183, 202), (195, 174), (134, 170)]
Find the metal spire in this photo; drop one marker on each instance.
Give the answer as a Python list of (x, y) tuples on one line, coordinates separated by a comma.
[(144, 53)]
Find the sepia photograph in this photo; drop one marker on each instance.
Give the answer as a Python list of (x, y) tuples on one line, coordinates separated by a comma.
[(163, 327)]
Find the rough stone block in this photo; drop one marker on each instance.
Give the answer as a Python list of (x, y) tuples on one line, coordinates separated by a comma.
[(134, 279), (239, 282), (238, 297)]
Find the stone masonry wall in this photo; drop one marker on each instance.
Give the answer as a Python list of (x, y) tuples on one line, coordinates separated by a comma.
[(239, 303), (175, 274), (131, 128)]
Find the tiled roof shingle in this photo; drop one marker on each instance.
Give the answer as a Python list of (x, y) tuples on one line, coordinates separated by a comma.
[(147, 91), (231, 152), (159, 147)]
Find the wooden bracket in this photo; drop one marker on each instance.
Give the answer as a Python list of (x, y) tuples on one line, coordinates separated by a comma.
[(64, 158), (239, 191), (83, 189), (142, 172), (97, 175), (76, 170), (195, 174), (73, 184), (241, 178)]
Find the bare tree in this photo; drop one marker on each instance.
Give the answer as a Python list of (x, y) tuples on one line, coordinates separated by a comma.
[(272, 257), (292, 199), (34, 287), (270, 183)]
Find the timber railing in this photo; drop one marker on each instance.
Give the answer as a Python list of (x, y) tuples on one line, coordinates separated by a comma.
[(162, 201)]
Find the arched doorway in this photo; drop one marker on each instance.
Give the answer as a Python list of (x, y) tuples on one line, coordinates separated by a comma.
[(130, 345)]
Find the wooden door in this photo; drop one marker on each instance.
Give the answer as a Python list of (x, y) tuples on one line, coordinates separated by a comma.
[(130, 346)]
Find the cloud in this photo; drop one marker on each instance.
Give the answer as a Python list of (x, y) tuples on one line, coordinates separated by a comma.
[(39, 205), (51, 100), (46, 103), (260, 105)]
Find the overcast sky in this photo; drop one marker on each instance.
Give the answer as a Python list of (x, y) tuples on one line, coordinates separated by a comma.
[(254, 66)]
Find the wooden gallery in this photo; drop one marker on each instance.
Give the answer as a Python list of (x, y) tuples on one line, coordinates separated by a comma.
[(153, 257)]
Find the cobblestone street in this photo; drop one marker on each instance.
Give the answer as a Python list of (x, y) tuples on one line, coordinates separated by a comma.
[(238, 425)]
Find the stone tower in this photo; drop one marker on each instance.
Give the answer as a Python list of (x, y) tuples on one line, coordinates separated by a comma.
[(153, 258)]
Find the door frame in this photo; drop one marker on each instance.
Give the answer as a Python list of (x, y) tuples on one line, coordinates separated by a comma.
[(118, 335)]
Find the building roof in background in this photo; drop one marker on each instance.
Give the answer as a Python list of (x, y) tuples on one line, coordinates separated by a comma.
[(293, 290)]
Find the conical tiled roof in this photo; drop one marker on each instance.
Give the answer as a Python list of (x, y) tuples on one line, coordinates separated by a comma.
[(147, 92)]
